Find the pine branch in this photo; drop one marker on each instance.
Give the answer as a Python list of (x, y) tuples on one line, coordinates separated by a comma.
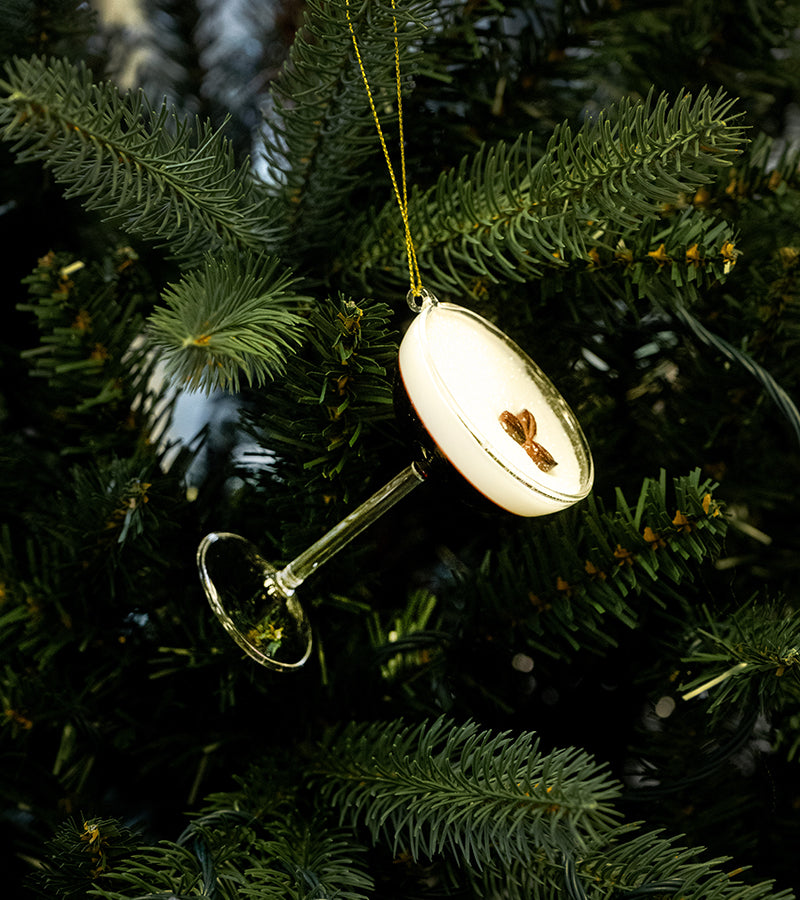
[(630, 48), (406, 643), (337, 386), (631, 863), (441, 787), (770, 386), (765, 167), (314, 860), (649, 864), (143, 170), (164, 872), (751, 655), (677, 302), (323, 130), (771, 311), (234, 319), (224, 856), (90, 318), (680, 248), (577, 572), (322, 418), (35, 620), (81, 854), (505, 216), (106, 506), (74, 305), (61, 27)]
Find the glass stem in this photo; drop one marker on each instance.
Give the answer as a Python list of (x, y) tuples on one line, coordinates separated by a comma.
[(296, 572)]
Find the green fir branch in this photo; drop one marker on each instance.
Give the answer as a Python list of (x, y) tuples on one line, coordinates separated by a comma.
[(765, 168), (81, 854), (339, 385), (678, 299), (680, 248), (163, 872), (750, 657), (442, 787), (406, 643), (322, 418), (35, 616), (323, 131), (90, 316), (574, 573), (60, 27), (227, 856), (143, 170), (770, 386), (505, 215), (75, 304), (649, 864), (314, 860), (771, 308), (235, 319), (627, 863), (106, 506)]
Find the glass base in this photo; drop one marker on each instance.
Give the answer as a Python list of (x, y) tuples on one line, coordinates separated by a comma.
[(244, 591)]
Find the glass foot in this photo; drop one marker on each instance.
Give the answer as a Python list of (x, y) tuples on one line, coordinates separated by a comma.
[(264, 619)]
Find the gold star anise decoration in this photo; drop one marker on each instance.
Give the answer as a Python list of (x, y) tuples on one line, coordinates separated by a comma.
[(522, 427)]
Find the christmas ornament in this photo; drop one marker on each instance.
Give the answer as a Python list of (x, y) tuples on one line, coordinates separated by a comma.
[(487, 409), (492, 412)]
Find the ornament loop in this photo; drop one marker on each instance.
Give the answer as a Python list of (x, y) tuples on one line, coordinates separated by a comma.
[(419, 299)]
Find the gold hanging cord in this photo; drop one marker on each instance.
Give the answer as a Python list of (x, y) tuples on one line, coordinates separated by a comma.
[(402, 196)]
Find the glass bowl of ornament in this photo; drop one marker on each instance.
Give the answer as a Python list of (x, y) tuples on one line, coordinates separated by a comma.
[(486, 408), (492, 412)]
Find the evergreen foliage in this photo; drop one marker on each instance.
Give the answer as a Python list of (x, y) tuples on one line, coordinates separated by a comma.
[(510, 214), (436, 787), (92, 847), (89, 320), (225, 319), (140, 168), (580, 573), (751, 657), (495, 707), (337, 392), (323, 129), (60, 28)]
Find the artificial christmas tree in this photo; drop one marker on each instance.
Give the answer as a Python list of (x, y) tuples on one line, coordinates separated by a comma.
[(599, 701)]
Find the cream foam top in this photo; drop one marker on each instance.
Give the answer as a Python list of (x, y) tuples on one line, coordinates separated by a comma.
[(461, 374)]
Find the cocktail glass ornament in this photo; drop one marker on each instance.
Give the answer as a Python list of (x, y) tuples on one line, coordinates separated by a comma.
[(487, 409)]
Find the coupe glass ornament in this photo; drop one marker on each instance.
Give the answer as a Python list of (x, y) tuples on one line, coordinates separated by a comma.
[(487, 409)]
